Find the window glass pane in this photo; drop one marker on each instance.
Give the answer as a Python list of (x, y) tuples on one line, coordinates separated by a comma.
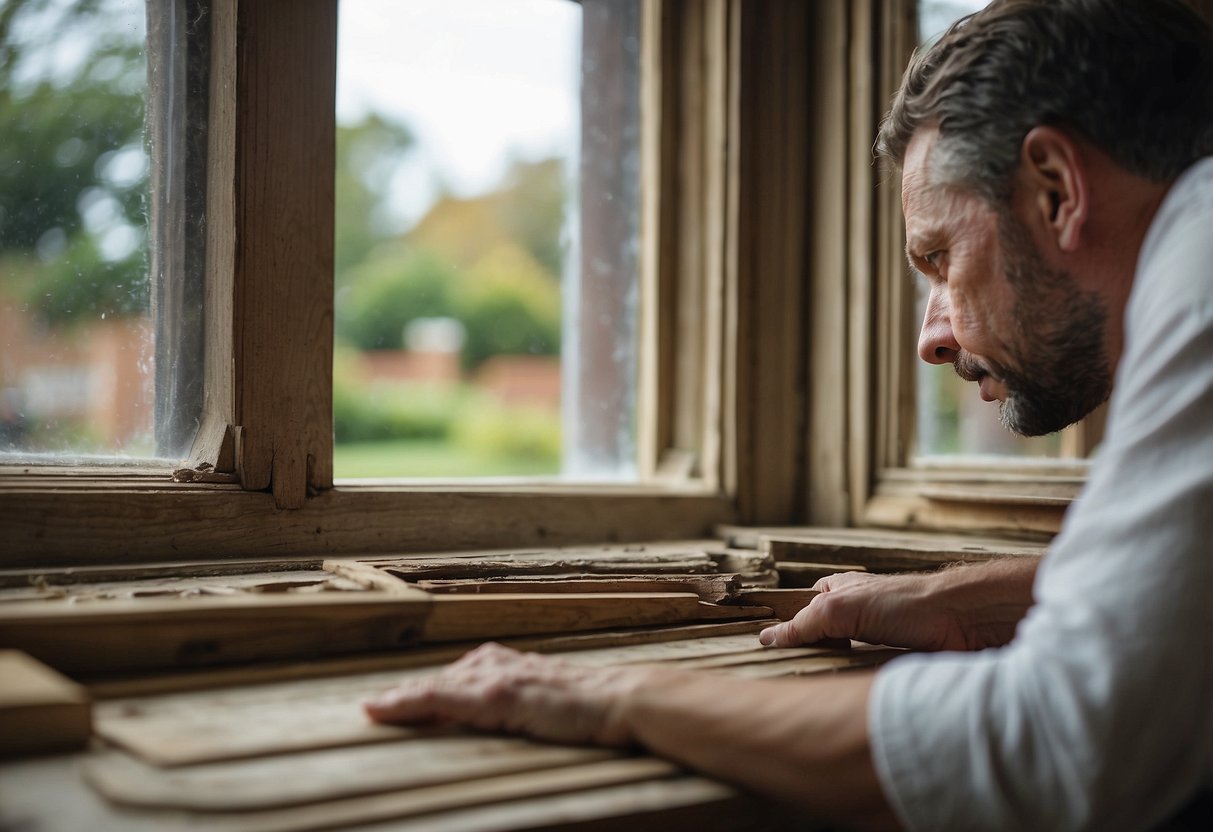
[(486, 238), (76, 370), (952, 418)]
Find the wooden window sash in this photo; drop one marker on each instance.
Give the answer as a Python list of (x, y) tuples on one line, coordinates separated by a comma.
[(269, 311), (874, 479)]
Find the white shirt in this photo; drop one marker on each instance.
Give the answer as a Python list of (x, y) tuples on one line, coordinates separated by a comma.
[(1099, 714)]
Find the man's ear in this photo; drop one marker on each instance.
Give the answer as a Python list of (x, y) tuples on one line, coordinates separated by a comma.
[(1053, 177)]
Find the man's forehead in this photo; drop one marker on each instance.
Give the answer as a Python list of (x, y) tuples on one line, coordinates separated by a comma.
[(915, 171)]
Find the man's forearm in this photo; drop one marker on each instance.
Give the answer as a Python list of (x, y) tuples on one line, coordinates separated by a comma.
[(988, 599), (803, 741)]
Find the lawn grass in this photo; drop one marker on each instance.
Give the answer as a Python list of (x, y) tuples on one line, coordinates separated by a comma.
[(430, 458)]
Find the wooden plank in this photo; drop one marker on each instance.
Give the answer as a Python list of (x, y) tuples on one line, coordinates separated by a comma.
[(446, 569), (266, 673), (1028, 522), (179, 587), (712, 588), (773, 185), (40, 710), (810, 665), (784, 603), (330, 774), (806, 575), (282, 717), (458, 617), (826, 430), (283, 320), (124, 524), (126, 635), (73, 575), (878, 550), (218, 402), (449, 801), (643, 794)]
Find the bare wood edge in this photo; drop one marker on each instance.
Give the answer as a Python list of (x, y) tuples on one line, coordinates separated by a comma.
[(283, 277), (266, 672), (658, 255), (213, 455), (784, 602), (218, 403), (825, 430), (90, 526), (915, 512), (370, 577)]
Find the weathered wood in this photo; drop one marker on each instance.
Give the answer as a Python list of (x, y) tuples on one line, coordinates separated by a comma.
[(712, 588), (180, 587), (283, 319), (885, 551), (455, 568), (764, 656), (368, 576), (282, 717), (793, 574), (331, 774), (126, 635), (447, 806), (458, 617), (127, 524), (809, 665), (40, 710), (71, 575), (266, 673), (784, 603)]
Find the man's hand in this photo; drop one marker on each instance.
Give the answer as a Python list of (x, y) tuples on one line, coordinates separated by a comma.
[(959, 608), (802, 741), (496, 688)]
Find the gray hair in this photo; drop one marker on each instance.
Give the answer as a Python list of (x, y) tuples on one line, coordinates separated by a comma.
[(1135, 77)]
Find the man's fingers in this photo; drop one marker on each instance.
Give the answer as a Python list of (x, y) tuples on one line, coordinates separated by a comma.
[(409, 702), (823, 619)]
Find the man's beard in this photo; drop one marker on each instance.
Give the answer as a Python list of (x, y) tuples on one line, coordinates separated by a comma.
[(1061, 371)]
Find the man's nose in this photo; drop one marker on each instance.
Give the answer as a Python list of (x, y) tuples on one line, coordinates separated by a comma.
[(936, 342)]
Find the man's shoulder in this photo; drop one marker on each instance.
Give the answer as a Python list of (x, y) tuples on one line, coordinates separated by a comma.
[(1175, 266)]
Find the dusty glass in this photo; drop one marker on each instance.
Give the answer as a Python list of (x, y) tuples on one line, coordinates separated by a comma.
[(487, 222), (78, 336)]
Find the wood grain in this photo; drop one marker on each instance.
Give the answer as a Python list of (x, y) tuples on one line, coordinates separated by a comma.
[(449, 803), (279, 717), (283, 281), (712, 588), (460, 617), (783, 602), (331, 774), (126, 524), (126, 635), (40, 710), (888, 551)]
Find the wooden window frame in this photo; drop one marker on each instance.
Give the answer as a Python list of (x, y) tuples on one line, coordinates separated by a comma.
[(861, 420), (722, 394), (862, 417)]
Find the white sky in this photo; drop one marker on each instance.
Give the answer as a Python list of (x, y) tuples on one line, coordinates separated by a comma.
[(477, 81)]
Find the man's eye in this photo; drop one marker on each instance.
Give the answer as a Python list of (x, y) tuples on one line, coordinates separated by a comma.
[(933, 258)]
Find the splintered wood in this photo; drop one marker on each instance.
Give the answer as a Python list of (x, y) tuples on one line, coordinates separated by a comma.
[(149, 621), (301, 755)]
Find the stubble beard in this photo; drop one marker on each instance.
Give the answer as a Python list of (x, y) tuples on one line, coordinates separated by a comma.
[(1061, 370)]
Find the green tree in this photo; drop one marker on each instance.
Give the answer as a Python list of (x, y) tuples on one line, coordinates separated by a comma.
[(73, 172), (367, 153), (394, 286), (509, 305)]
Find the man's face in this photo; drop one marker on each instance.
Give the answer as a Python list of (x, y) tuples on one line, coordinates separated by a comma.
[(1024, 332)]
